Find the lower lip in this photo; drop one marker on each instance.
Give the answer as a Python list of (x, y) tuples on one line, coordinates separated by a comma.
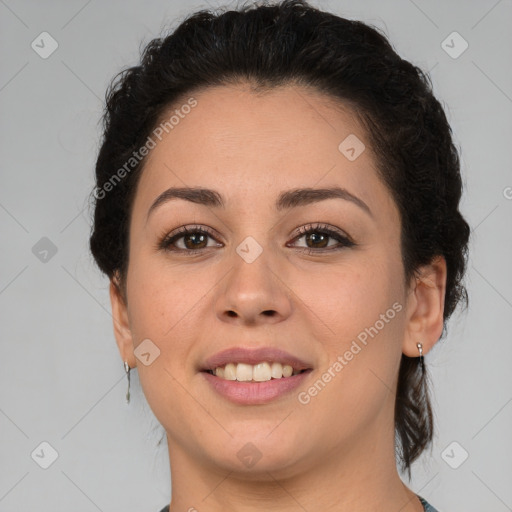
[(254, 393)]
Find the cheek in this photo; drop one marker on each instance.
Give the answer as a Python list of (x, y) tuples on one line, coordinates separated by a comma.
[(163, 298), (351, 297), (359, 309), (164, 306), (356, 380)]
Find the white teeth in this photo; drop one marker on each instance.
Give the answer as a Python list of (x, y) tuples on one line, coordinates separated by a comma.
[(243, 372), (287, 370), (277, 370), (260, 372), (230, 371)]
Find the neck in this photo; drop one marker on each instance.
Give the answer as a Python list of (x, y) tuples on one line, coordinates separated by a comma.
[(362, 477)]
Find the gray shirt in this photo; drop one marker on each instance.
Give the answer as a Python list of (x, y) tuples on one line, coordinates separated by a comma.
[(426, 506)]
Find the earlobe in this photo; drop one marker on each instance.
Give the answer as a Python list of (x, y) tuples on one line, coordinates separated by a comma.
[(120, 318), (425, 308)]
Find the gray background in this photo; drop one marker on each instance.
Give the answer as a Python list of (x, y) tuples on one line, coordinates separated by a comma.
[(61, 376)]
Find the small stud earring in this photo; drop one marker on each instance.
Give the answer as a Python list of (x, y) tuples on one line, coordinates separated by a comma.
[(127, 371), (420, 350)]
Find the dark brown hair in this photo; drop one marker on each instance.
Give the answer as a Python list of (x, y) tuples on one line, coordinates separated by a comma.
[(268, 45)]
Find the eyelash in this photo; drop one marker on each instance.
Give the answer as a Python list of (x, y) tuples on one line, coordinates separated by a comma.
[(344, 241)]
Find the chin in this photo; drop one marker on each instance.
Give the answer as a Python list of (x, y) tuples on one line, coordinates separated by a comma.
[(255, 455)]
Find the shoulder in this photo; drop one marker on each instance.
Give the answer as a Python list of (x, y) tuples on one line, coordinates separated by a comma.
[(427, 507)]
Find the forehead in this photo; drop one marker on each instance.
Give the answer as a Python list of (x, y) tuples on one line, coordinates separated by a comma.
[(236, 140)]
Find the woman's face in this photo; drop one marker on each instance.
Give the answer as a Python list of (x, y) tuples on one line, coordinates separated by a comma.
[(339, 310)]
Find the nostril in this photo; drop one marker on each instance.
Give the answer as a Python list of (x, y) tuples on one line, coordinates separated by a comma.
[(269, 312)]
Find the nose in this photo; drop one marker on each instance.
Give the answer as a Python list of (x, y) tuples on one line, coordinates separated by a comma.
[(253, 294)]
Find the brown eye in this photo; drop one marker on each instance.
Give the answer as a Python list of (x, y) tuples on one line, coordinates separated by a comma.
[(188, 240), (319, 239), (195, 240)]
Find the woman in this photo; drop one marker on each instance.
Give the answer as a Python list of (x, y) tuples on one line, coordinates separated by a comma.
[(277, 210)]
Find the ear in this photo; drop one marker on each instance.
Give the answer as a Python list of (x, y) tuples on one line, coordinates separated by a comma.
[(425, 307), (122, 330)]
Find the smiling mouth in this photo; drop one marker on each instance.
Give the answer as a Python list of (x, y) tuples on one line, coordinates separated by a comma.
[(261, 372)]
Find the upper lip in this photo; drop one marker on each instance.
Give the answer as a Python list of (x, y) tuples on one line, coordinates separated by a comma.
[(254, 356)]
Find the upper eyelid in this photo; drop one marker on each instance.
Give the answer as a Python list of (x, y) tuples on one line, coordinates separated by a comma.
[(184, 230), (178, 233), (320, 226)]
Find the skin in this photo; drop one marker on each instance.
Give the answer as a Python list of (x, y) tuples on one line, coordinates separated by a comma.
[(337, 451)]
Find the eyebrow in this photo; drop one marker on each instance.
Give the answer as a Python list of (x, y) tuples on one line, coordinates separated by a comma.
[(286, 200)]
